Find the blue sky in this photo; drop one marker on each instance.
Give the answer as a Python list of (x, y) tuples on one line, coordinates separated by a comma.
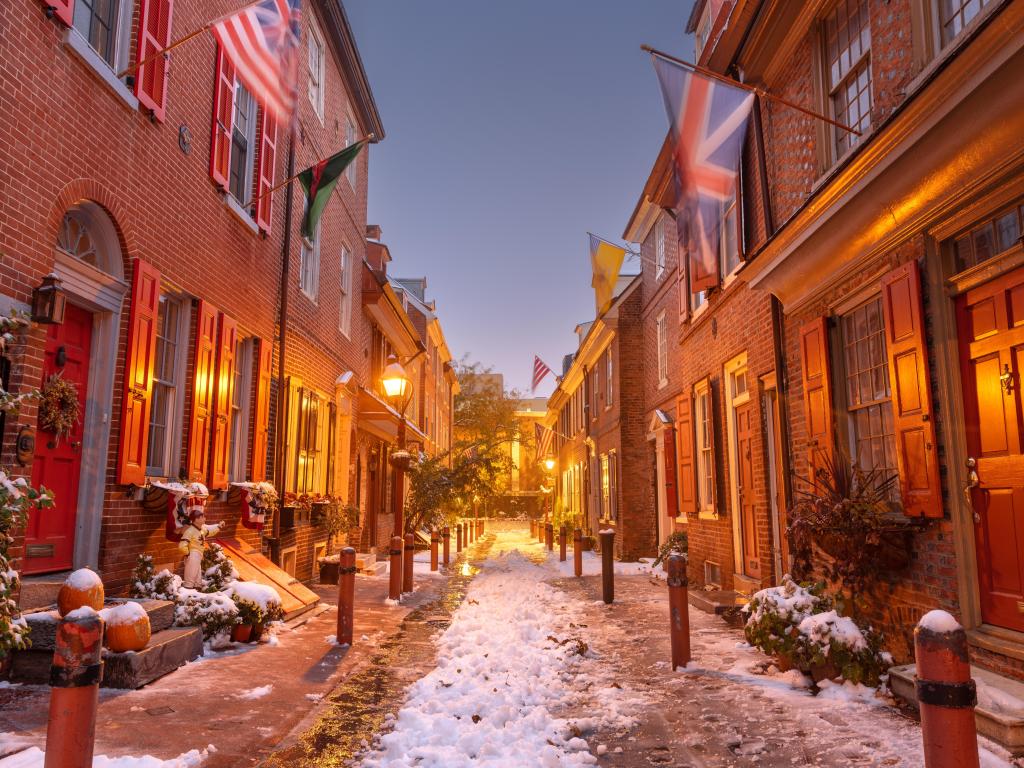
[(513, 127)]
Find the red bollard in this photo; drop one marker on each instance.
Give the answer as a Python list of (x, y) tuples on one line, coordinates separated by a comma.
[(410, 550), (395, 568), (346, 595), (469, 532), (549, 537), (577, 552), (433, 550), (946, 693), (533, 527), (561, 544), (446, 539), (607, 565), (678, 611), (458, 538), (75, 692)]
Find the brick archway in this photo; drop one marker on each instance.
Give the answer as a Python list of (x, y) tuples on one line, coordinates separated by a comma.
[(84, 189)]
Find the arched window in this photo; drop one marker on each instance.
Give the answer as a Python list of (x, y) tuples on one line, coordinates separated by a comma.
[(88, 234)]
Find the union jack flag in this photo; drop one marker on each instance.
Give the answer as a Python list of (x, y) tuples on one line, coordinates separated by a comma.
[(262, 41), (543, 437), (709, 121), (540, 370)]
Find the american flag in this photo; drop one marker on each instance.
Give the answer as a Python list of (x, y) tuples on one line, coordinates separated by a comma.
[(543, 437), (709, 121), (540, 370), (262, 41)]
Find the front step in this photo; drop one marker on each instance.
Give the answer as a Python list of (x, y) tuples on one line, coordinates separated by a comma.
[(40, 591), (1000, 711), (716, 601), (43, 624)]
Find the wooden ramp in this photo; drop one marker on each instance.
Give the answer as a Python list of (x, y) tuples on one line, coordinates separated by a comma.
[(251, 565)]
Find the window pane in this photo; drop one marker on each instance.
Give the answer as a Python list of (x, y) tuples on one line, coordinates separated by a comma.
[(243, 133), (1007, 231), (847, 35)]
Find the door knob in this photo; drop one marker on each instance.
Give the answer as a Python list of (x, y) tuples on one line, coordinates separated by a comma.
[(973, 482)]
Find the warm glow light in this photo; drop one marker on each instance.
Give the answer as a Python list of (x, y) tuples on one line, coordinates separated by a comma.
[(549, 464), (395, 380)]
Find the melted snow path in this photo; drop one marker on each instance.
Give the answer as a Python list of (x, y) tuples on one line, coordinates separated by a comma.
[(511, 670)]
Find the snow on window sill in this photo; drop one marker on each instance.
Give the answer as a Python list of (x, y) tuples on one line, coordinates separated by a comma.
[(240, 213), (80, 47)]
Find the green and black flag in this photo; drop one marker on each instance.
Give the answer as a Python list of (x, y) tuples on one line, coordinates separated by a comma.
[(319, 181)]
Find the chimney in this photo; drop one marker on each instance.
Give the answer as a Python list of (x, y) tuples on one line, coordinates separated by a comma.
[(373, 232)]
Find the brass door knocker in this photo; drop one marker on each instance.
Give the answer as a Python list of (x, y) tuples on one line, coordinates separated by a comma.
[(1006, 379)]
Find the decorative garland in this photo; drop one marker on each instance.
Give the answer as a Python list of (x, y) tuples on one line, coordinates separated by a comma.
[(59, 409)]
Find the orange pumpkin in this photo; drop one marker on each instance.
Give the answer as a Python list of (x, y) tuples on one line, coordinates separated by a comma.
[(82, 587), (127, 627)]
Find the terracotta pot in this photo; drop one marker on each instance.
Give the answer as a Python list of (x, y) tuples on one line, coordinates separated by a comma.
[(784, 662), (241, 633), (257, 633)]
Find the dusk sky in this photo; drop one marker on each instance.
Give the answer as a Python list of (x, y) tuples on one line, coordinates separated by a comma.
[(513, 128)]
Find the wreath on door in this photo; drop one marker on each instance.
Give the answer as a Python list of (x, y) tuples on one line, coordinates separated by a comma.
[(59, 409)]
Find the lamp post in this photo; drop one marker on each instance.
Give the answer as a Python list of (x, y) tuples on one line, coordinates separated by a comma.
[(398, 389)]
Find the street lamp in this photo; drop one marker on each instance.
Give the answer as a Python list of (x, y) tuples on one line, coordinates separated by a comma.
[(398, 389), (549, 464)]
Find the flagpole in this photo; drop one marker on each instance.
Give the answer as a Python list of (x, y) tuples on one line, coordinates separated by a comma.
[(293, 176), (606, 240), (746, 87), (133, 68)]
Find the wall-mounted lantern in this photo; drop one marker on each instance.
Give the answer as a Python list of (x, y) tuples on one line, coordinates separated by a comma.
[(48, 301)]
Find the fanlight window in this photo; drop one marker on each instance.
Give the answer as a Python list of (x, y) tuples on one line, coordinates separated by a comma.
[(74, 237), (88, 234)]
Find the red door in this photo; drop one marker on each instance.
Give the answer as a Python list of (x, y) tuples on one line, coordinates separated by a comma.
[(745, 489), (991, 332), (50, 538)]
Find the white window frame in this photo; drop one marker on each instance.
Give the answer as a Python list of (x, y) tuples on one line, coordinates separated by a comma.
[(309, 266), (941, 42), (315, 69), (345, 288), (609, 372), (239, 457), (174, 428), (730, 206), (703, 448), (121, 35), (659, 248), (252, 151), (838, 136), (661, 325), (703, 30), (734, 371)]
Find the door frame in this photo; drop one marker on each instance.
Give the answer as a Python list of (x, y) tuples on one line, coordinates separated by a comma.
[(102, 294), (775, 466), (730, 369), (658, 425)]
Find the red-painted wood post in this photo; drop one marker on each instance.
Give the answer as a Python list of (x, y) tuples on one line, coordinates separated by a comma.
[(434, 537), (533, 528), (446, 539), (410, 550), (458, 538), (470, 531), (346, 595), (607, 566), (561, 544), (549, 537), (395, 568), (577, 552), (678, 611), (946, 694), (75, 691)]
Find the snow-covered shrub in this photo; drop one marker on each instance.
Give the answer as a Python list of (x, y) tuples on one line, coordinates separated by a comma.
[(676, 544), (799, 627), (215, 612), (257, 603), (218, 570), (146, 582)]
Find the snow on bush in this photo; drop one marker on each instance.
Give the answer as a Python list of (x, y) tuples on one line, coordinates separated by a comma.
[(800, 628)]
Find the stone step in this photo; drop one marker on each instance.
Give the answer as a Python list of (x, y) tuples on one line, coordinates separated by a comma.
[(716, 601), (40, 591), (43, 623), (1000, 712)]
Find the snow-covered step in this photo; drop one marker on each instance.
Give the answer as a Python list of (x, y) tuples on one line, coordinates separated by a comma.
[(40, 591), (43, 623), (165, 652), (1000, 711)]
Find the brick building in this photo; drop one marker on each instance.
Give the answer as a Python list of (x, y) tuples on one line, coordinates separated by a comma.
[(173, 327)]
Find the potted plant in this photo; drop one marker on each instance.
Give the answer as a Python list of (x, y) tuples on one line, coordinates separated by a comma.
[(249, 616), (319, 506)]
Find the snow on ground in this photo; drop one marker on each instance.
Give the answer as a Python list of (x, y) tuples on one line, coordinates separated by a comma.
[(592, 565), (34, 757), (510, 668), (255, 693)]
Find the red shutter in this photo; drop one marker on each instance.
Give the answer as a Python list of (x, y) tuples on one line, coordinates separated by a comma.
[(223, 114), (917, 458), (265, 170), (154, 36), (817, 393), (138, 374), (197, 459), (220, 460), (687, 470), (261, 427), (64, 10), (668, 436)]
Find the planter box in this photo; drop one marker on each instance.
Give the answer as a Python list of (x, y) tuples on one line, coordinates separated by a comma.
[(318, 512), (329, 572), (287, 518)]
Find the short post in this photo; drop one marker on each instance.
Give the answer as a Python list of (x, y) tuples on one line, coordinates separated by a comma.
[(472, 531), (75, 693), (346, 595), (434, 537), (533, 527), (410, 550), (446, 541), (607, 565), (678, 611), (549, 536), (395, 569), (577, 552), (561, 544), (458, 538), (946, 693), (540, 531)]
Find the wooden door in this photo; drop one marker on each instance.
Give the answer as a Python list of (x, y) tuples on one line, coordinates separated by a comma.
[(745, 488), (991, 333), (50, 535)]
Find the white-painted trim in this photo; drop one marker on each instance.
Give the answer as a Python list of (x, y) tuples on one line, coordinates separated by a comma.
[(79, 46), (729, 371), (175, 424), (240, 450), (240, 213)]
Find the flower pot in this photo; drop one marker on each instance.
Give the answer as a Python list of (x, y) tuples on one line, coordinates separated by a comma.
[(287, 518), (784, 662), (329, 572), (256, 634), (241, 633)]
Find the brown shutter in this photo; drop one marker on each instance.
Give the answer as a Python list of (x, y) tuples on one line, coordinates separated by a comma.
[(197, 459), (687, 473), (220, 462), (261, 427), (920, 489), (712, 434), (817, 393), (138, 376), (668, 435)]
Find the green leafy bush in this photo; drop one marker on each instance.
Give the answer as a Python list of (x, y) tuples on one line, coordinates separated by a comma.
[(676, 544)]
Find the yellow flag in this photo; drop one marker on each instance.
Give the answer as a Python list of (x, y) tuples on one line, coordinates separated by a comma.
[(605, 261)]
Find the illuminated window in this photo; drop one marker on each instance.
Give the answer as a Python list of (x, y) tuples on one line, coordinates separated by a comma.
[(990, 238), (847, 34), (240, 410)]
